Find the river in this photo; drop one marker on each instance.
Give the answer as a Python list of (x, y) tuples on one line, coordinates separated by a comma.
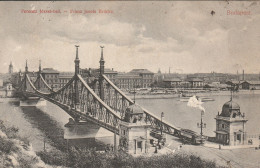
[(181, 115)]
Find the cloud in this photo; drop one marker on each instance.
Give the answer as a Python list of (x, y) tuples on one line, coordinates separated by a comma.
[(182, 35)]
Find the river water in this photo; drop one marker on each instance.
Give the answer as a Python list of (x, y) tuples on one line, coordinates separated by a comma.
[(46, 123), (181, 115)]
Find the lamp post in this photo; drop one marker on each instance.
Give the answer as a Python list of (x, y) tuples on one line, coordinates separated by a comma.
[(162, 115), (201, 125)]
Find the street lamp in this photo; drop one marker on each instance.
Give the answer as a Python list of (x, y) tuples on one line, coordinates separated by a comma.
[(201, 125), (162, 115)]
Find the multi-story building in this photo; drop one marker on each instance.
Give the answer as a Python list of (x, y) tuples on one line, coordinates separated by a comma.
[(65, 77), (196, 82), (173, 82), (146, 76), (51, 76), (139, 78), (128, 81)]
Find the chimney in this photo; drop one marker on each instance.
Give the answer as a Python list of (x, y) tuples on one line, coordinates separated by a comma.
[(243, 74)]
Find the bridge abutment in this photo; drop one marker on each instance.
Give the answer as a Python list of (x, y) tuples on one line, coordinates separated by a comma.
[(87, 130), (32, 101)]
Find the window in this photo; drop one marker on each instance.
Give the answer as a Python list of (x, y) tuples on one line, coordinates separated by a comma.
[(239, 137), (223, 126)]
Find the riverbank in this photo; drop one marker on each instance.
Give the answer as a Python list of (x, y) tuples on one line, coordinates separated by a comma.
[(208, 93), (16, 151)]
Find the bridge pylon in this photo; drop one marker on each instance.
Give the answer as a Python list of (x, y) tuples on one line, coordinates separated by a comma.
[(76, 89), (101, 73)]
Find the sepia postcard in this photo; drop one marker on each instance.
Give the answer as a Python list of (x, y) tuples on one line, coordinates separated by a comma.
[(130, 84)]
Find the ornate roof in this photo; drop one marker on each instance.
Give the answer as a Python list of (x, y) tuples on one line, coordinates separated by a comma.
[(134, 109), (228, 108), (133, 113)]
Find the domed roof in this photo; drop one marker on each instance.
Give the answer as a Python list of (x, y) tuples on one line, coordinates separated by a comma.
[(228, 107), (231, 104), (133, 113), (134, 109)]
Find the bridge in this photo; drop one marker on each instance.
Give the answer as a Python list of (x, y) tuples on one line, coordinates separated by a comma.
[(98, 101)]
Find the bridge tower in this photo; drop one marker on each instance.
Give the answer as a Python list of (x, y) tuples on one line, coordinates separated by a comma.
[(26, 67), (39, 73), (26, 71), (40, 67), (101, 72), (77, 69)]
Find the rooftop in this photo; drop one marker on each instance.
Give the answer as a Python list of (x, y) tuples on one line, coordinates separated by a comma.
[(253, 82), (172, 80), (66, 74), (195, 80), (49, 70), (128, 75), (141, 71)]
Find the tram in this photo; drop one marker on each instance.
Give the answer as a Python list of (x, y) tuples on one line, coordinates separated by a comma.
[(189, 136)]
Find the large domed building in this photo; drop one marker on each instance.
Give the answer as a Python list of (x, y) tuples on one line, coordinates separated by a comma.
[(230, 125)]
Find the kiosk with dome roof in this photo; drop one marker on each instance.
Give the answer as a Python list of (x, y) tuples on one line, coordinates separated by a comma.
[(134, 132), (231, 125)]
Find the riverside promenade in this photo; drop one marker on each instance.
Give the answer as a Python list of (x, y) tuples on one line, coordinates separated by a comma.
[(243, 157)]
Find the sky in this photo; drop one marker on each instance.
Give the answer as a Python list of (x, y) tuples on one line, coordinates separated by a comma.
[(182, 36)]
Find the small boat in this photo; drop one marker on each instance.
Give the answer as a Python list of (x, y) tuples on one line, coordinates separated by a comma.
[(205, 99), (202, 99)]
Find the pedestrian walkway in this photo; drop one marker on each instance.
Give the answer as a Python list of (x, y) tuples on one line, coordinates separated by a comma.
[(228, 147)]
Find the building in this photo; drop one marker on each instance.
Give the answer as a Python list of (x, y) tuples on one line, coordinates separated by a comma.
[(111, 74), (196, 82), (134, 133), (128, 81), (236, 84), (65, 77), (138, 78), (10, 69), (146, 76), (51, 76), (9, 90), (6, 90), (251, 85), (230, 125), (94, 72), (174, 82)]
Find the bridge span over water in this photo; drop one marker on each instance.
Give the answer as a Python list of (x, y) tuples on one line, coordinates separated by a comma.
[(98, 101)]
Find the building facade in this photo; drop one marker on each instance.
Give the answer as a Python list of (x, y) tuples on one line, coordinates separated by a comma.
[(174, 82), (64, 78), (51, 76), (251, 85), (138, 78), (128, 81), (196, 82), (146, 77)]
